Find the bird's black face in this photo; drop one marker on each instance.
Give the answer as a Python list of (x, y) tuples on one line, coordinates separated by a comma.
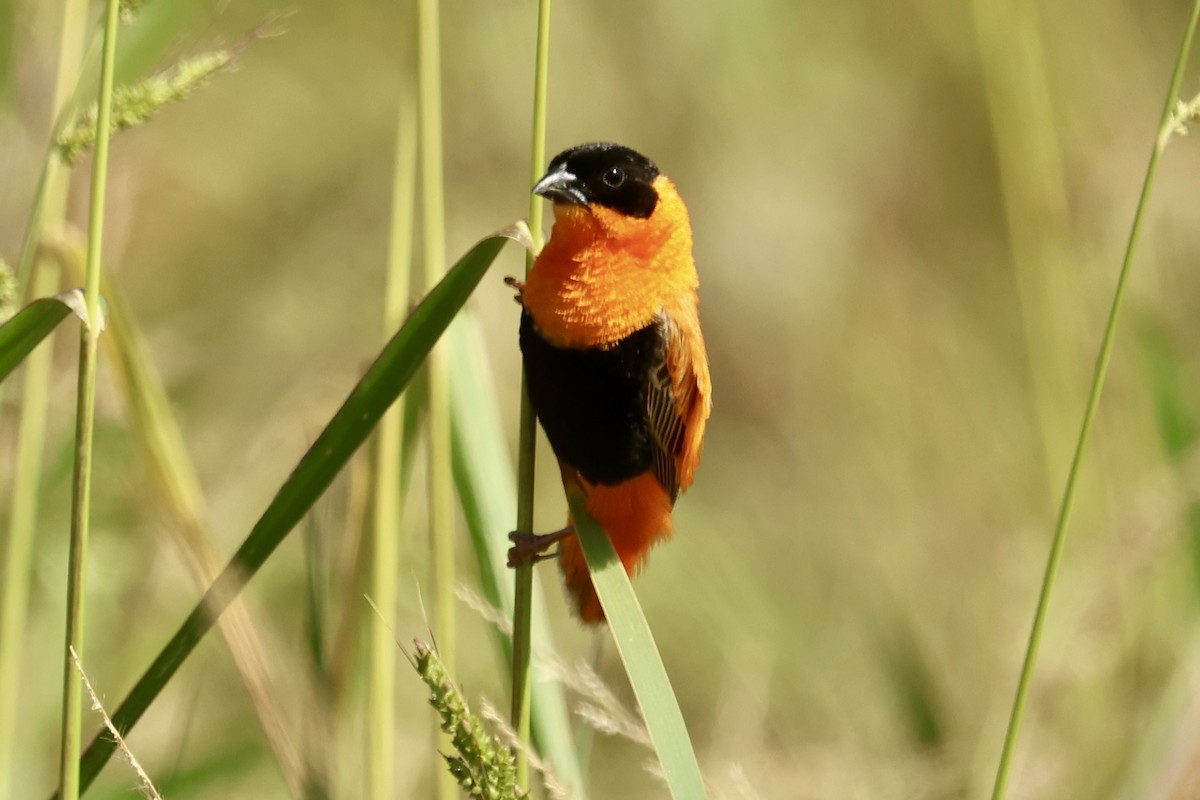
[(606, 174)]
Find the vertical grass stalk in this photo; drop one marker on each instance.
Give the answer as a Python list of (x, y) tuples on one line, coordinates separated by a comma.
[(389, 444), (441, 476), (84, 422), (527, 435), (1064, 515), (50, 208)]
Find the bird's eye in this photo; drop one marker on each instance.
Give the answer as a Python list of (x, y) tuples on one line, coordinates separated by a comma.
[(614, 177)]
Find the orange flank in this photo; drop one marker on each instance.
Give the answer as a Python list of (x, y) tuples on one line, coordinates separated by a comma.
[(615, 361)]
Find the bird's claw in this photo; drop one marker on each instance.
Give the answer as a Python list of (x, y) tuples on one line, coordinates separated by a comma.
[(519, 286), (530, 548)]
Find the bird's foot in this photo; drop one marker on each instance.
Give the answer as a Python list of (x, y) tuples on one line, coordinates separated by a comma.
[(530, 548), (519, 286)]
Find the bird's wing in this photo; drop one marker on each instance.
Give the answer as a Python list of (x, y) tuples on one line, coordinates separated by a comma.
[(678, 400)]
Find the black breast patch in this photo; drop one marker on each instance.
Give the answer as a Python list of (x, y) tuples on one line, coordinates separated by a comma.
[(592, 402)]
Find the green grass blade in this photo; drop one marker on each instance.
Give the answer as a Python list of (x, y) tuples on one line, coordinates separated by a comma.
[(484, 477), (383, 382), (642, 662), (30, 325), (482, 471)]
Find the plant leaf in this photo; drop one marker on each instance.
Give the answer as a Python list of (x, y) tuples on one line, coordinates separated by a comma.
[(643, 664), (383, 382), (33, 323)]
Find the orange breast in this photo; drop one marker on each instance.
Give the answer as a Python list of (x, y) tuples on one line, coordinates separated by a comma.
[(604, 275)]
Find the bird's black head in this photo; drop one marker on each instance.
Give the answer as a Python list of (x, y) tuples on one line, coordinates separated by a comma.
[(606, 174)]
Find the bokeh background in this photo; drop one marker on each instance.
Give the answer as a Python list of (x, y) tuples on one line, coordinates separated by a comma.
[(909, 219)]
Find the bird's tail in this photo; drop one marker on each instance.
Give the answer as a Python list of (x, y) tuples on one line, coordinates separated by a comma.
[(579, 581), (635, 514)]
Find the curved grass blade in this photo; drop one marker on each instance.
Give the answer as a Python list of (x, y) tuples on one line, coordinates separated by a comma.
[(33, 323), (643, 664), (383, 382)]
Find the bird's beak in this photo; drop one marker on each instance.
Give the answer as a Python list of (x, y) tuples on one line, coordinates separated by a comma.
[(561, 186)]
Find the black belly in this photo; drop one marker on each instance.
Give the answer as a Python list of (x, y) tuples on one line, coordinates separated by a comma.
[(592, 402)]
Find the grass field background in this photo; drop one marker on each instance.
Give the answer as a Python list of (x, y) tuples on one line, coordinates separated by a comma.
[(909, 219)]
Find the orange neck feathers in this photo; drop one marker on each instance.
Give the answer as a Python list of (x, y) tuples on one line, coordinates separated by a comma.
[(604, 275)]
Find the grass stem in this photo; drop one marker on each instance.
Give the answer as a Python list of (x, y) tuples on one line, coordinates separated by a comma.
[(1093, 402), (527, 435), (85, 421)]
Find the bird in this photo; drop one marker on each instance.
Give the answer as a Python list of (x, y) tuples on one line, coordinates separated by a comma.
[(615, 363)]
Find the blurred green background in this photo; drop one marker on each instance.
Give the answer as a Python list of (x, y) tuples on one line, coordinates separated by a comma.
[(909, 219)]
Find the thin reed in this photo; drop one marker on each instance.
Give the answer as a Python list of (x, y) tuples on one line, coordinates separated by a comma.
[(85, 418), (527, 425), (1166, 126)]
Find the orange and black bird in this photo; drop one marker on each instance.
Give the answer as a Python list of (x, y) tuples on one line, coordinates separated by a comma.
[(614, 359)]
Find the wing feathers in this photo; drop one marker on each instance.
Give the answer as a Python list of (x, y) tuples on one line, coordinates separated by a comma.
[(678, 401)]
